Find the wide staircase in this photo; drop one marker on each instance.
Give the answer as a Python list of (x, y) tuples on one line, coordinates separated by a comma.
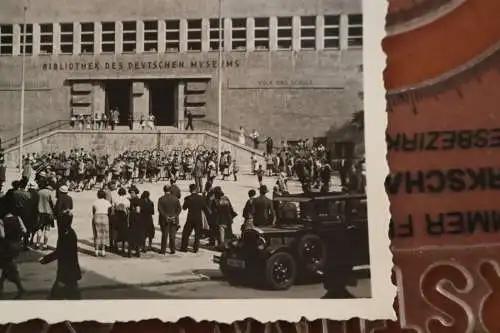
[(59, 136)]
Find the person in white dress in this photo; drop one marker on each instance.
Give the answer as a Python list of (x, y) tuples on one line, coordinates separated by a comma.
[(241, 138)]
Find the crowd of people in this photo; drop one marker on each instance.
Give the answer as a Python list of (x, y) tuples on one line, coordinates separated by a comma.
[(122, 215)]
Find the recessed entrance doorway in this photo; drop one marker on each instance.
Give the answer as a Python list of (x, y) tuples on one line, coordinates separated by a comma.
[(162, 99), (119, 96)]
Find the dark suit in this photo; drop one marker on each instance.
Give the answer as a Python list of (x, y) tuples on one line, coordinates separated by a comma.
[(195, 205), (263, 211), (64, 205), (176, 191), (169, 208), (68, 268)]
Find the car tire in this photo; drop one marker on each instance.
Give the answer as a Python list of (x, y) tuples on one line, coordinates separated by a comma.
[(306, 245), (281, 271)]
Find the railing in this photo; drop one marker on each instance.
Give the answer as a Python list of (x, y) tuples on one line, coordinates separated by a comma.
[(226, 131), (34, 133)]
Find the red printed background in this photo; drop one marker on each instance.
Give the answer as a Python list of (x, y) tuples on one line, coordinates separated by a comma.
[(443, 74)]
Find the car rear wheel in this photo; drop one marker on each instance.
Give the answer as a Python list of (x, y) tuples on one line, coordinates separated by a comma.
[(281, 271)]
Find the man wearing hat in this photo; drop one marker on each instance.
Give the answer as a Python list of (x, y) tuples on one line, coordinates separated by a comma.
[(169, 208), (63, 209), (263, 211)]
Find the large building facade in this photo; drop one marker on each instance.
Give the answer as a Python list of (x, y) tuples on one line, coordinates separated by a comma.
[(290, 68)]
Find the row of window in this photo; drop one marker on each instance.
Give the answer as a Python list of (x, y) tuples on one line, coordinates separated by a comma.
[(110, 39)]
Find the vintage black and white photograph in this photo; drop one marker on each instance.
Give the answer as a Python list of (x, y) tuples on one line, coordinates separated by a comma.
[(188, 150)]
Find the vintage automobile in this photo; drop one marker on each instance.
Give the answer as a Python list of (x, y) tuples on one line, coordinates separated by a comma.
[(294, 248)]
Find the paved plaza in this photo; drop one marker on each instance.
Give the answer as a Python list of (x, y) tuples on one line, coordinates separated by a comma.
[(181, 275)]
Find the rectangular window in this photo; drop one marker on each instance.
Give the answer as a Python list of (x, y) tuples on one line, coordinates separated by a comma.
[(6, 39), (67, 38), (108, 37), (216, 34), (87, 38), (151, 36), (262, 33), (285, 33), (46, 38), (332, 32), (172, 36), (194, 35), (28, 35), (308, 32), (129, 37), (239, 34), (355, 30)]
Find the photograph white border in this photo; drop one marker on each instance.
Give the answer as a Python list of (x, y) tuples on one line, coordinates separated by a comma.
[(380, 306)]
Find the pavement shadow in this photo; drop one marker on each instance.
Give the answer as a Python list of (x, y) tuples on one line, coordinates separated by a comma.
[(38, 281)]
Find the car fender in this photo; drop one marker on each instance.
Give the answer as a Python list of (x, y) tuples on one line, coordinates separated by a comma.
[(270, 250)]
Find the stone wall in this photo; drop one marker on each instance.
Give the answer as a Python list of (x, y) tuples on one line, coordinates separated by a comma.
[(116, 142)]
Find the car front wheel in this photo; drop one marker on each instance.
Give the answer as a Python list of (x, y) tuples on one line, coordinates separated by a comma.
[(281, 271)]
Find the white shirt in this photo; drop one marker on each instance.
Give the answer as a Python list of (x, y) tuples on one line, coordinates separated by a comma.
[(101, 206)]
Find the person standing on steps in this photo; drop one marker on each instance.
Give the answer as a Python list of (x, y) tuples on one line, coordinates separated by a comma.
[(189, 117)]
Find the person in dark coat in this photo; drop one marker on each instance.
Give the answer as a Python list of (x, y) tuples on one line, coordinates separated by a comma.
[(169, 208), (63, 209), (68, 267), (136, 235), (263, 210), (195, 205), (146, 217), (248, 211), (12, 230), (225, 214), (174, 189)]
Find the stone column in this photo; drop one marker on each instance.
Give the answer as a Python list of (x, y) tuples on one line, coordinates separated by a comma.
[(36, 39), (56, 27), (139, 47), (183, 35), (320, 32), (162, 35), (98, 98), (250, 34), (273, 33), (97, 38), (205, 35), (296, 33), (77, 38), (180, 104), (140, 101), (228, 26), (344, 28), (16, 47), (118, 37)]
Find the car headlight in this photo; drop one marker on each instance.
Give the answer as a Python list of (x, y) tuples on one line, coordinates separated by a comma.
[(261, 243)]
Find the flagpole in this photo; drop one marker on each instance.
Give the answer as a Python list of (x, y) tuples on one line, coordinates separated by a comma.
[(21, 125), (219, 87)]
